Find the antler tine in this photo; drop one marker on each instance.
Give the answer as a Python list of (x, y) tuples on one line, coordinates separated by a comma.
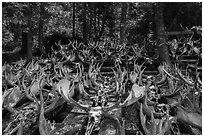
[(89, 71), (93, 69), (138, 69), (73, 44), (164, 78), (198, 79), (169, 74), (55, 71), (61, 72), (77, 76), (182, 77), (135, 68), (140, 76), (129, 100), (8, 80), (72, 101), (116, 105), (124, 73), (119, 88), (80, 70), (82, 90), (143, 120), (24, 86), (93, 80), (99, 67), (43, 125)]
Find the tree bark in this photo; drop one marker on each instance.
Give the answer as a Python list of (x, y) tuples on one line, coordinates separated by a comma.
[(16, 31), (101, 30), (98, 27), (73, 32), (84, 14), (29, 38), (24, 42), (40, 31), (95, 24), (161, 39), (91, 21), (123, 22)]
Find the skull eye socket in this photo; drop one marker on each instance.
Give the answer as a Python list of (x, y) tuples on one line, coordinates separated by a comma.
[(164, 108), (154, 90), (160, 108)]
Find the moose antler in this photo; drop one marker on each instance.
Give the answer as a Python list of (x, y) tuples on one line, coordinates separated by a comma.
[(194, 119), (10, 79), (181, 76), (137, 73), (136, 93), (137, 50), (92, 73), (35, 85), (44, 127), (67, 91), (162, 74), (166, 71), (157, 126), (7, 96)]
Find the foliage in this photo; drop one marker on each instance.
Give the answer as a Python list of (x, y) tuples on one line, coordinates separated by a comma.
[(58, 17)]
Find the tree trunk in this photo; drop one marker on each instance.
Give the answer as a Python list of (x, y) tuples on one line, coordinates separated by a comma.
[(161, 39), (91, 21), (40, 31), (123, 22), (84, 14), (16, 34), (101, 30), (29, 38), (73, 32), (98, 26), (95, 25), (24, 42)]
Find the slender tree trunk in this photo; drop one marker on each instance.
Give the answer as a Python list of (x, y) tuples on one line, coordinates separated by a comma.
[(98, 27), (161, 40), (24, 43), (29, 38), (40, 31), (16, 34), (73, 33), (84, 23), (95, 20), (123, 22), (91, 21), (102, 29)]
